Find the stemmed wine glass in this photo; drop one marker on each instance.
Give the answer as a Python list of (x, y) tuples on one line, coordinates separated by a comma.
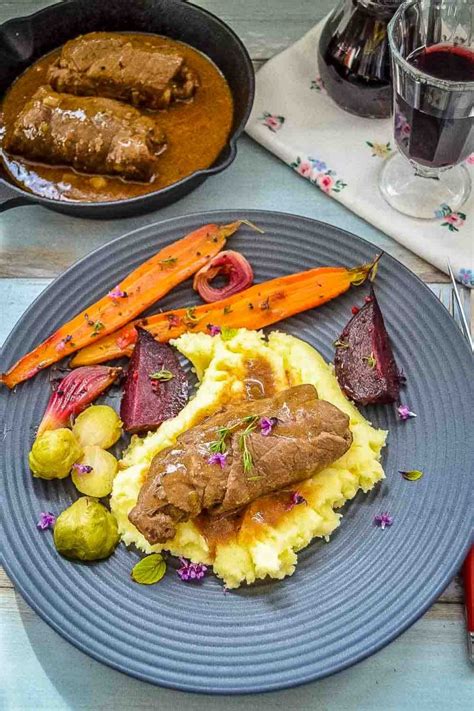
[(432, 47)]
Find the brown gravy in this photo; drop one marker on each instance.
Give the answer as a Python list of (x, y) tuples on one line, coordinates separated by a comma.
[(246, 524), (196, 131)]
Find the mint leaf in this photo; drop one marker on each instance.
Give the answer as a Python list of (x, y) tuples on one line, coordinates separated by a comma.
[(149, 570)]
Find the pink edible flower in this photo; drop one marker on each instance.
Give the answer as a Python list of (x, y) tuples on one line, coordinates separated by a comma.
[(117, 293), (218, 458), (382, 520), (470, 159), (191, 571), (46, 520), (404, 412), (295, 499), (267, 424), (82, 468), (214, 330)]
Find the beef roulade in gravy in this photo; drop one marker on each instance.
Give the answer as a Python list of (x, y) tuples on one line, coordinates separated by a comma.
[(115, 66), (91, 134)]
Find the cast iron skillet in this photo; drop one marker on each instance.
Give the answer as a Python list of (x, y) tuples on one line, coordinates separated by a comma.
[(25, 39)]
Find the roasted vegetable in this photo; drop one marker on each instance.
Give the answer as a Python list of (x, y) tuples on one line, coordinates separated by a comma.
[(364, 362), (86, 531), (98, 425), (53, 453), (94, 473), (74, 392), (139, 290), (228, 264), (259, 306), (156, 387)]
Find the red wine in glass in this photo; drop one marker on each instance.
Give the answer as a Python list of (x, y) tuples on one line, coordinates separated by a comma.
[(431, 134)]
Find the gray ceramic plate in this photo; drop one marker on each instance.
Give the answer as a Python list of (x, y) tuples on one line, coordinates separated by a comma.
[(347, 598)]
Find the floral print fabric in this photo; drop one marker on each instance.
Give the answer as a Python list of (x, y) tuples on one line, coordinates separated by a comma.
[(341, 155)]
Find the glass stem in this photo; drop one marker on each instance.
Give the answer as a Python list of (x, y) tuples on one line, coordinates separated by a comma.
[(423, 172)]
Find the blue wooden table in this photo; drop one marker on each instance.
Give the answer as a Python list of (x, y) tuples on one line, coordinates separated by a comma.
[(427, 666)]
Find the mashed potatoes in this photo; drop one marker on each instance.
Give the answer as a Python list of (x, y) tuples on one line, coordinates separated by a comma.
[(271, 549)]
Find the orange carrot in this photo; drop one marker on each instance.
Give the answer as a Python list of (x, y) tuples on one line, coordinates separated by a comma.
[(256, 307), (139, 290)]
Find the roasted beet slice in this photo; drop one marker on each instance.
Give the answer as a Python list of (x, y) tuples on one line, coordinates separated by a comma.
[(364, 362), (156, 386)]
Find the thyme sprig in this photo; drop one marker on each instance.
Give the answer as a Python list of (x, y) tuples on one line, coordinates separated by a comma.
[(219, 445)]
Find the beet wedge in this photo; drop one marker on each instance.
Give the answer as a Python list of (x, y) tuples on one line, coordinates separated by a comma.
[(156, 386), (364, 362)]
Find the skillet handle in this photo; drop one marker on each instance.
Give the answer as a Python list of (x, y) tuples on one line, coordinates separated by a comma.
[(9, 198)]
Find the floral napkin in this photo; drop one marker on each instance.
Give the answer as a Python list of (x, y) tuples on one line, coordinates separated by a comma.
[(342, 155)]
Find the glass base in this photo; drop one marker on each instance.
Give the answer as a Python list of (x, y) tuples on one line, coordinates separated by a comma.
[(419, 195)]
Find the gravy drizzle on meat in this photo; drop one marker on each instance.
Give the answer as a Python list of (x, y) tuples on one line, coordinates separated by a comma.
[(183, 481)]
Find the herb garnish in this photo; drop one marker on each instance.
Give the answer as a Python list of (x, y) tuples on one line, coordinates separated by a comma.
[(227, 310), (404, 412), (46, 520), (98, 326), (340, 344), (219, 445), (412, 475), (382, 520), (161, 375), (191, 571), (149, 570), (169, 262), (247, 460), (370, 360), (227, 333)]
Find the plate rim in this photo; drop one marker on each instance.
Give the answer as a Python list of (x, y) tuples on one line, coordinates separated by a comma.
[(456, 560)]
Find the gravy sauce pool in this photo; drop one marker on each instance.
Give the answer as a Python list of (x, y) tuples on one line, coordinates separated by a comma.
[(247, 523), (196, 132)]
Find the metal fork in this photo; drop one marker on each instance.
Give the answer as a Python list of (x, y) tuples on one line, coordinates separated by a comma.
[(462, 316)]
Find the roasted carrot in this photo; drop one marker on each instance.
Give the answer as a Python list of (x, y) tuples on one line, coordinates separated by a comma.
[(259, 306), (139, 290)]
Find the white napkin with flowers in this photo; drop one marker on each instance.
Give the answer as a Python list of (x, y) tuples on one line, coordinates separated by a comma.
[(342, 155)]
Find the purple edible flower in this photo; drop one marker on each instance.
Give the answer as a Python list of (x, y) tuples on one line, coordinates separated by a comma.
[(46, 520), (191, 571), (404, 412), (295, 499), (82, 468), (117, 293), (214, 330), (218, 458), (267, 424), (383, 519)]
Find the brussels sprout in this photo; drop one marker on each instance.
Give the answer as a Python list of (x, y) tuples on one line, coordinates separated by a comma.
[(53, 453), (86, 531), (94, 473), (99, 425)]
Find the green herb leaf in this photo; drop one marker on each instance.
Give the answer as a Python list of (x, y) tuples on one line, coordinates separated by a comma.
[(370, 360), (340, 344), (227, 333), (191, 313), (169, 262), (97, 327), (161, 375), (149, 570), (412, 475)]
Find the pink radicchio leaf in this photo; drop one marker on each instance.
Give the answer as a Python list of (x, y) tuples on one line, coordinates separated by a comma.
[(76, 390)]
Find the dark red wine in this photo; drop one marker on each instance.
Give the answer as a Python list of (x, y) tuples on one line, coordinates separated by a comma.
[(438, 131), (354, 59)]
